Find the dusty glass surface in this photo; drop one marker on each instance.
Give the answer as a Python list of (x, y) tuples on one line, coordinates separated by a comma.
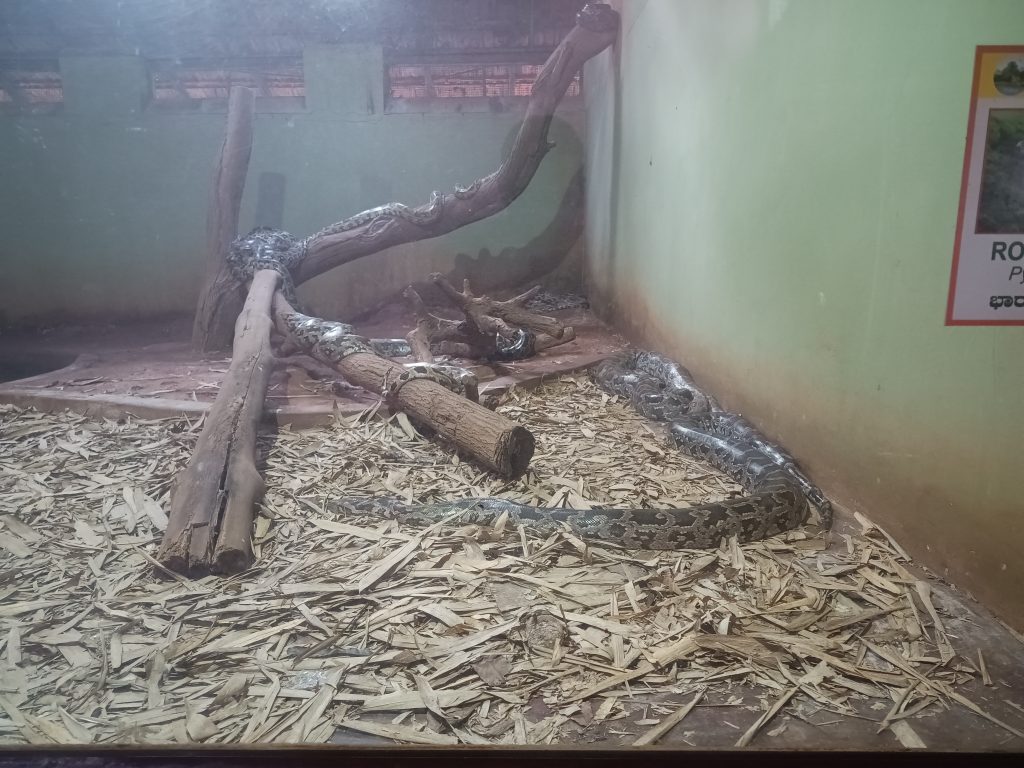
[(533, 373)]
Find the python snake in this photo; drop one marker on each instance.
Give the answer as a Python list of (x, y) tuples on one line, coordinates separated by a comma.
[(423, 216), (519, 347), (331, 342), (265, 248), (777, 492)]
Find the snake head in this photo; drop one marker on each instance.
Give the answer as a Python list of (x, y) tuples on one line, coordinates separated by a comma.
[(677, 397), (598, 17)]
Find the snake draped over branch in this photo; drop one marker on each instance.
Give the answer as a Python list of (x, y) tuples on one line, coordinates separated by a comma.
[(778, 495), (265, 248)]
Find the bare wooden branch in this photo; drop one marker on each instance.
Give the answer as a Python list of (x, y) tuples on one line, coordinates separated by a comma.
[(212, 503), (596, 27), (220, 299)]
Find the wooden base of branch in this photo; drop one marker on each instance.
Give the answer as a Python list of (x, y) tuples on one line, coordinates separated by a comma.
[(214, 497), (493, 440)]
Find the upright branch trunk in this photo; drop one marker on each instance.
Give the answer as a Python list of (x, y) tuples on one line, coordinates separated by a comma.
[(596, 27), (212, 503), (220, 299), (493, 440)]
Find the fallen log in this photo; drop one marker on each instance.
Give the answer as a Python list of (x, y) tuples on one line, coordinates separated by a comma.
[(493, 440), (213, 500), (456, 337), (495, 317)]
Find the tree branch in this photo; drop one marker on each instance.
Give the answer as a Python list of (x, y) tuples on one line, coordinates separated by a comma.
[(596, 27), (220, 299)]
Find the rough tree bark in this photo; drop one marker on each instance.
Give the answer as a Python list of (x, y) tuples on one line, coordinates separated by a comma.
[(494, 440), (213, 499), (596, 28), (501, 317), (512, 265), (220, 299)]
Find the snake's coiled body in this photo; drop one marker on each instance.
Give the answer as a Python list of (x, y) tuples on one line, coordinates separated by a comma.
[(703, 526), (265, 248), (656, 387), (735, 428), (332, 342), (663, 390), (777, 492)]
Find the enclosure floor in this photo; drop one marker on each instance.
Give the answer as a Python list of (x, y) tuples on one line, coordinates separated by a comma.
[(149, 371), (351, 627)]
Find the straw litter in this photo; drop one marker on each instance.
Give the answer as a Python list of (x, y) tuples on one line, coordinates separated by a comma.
[(434, 636)]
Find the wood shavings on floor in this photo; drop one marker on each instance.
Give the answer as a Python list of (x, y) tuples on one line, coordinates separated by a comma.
[(442, 635)]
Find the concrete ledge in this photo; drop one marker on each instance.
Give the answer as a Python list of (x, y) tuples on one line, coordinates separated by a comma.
[(116, 406), (152, 373)]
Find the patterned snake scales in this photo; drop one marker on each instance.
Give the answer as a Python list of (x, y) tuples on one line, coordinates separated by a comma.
[(778, 494), (265, 248)]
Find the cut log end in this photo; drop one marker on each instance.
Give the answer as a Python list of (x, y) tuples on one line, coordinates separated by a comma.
[(514, 451), (234, 560), (175, 561)]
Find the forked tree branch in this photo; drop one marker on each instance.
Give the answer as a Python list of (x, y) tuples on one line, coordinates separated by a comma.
[(596, 27)]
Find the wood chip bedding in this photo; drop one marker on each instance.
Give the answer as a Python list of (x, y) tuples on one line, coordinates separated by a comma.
[(438, 636)]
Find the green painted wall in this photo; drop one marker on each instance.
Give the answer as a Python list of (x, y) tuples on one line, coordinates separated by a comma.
[(103, 206), (772, 198)]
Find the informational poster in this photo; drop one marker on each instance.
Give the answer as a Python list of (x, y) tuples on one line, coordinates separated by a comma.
[(987, 283)]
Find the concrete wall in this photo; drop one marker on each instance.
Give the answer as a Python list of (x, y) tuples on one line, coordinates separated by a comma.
[(772, 198), (103, 205)]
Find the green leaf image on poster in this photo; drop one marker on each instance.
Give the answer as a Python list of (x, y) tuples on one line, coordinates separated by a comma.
[(1001, 209)]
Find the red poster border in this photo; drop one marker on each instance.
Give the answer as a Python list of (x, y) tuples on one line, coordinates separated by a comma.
[(978, 52)]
